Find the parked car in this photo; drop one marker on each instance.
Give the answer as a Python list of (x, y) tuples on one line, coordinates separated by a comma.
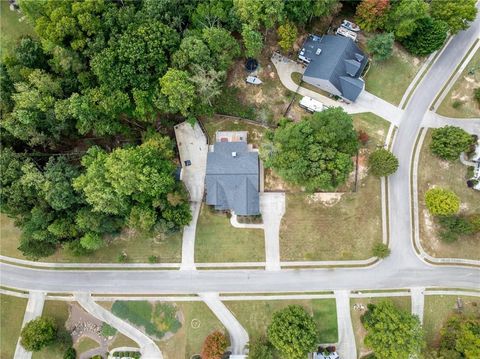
[(350, 26)]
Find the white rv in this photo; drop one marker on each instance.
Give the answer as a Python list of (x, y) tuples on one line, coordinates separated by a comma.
[(311, 105)]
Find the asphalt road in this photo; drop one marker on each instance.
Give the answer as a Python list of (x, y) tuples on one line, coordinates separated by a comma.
[(403, 269)]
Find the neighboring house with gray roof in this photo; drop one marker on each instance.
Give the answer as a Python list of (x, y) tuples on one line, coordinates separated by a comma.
[(335, 64), (232, 178)]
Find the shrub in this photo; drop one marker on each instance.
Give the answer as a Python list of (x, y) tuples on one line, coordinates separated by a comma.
[(475, 222), (381, 46), (108, 331), (454, 227), (381, 250), (429, 36), (449, 141), (260, 348), (363, 137), (122, 257), (442, 202), (152, 259), (457, 104), (38, 334), (476, 94), (70, 353), (214, 346), (382, 163)]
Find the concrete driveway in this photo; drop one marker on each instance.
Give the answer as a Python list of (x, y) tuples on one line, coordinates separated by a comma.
[(272, 207)]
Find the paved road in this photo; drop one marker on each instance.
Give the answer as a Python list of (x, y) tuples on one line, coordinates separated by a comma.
[(34, 309), (346, 339)]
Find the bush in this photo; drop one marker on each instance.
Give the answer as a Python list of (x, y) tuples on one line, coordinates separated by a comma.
[(260, 348), (476, 94), (381, 250), (152, 259), (382, 163), (214, 346), (454, 227), (108, 330), (457, 104), (449, 141), (428, 37), (70, 353), (363, 137), (38, 334), (475, 222), (442, 202), (381, 46), (122, 257)]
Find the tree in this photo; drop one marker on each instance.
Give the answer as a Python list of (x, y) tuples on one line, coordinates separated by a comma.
[(381, 250), (252, 40), (315, 152), (302, 11), (288, 35), (459, 337), (442, 202), (428, 37), (259, 13), (208, 83), (454, 227), (293, 332), (449, 142), (92, 241), (179, 89), (392, 333), (214, 346), (382, 163), (457, 14), (70, 353), (381, 46), (403, 17), (260, 348), (38, 334), (372, 14), (223, 46)]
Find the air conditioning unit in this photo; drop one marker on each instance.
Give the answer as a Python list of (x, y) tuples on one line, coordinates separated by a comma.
[(234, 154)]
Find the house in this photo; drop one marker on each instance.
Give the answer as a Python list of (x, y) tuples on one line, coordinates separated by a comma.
[(232, 178), (335, 64)]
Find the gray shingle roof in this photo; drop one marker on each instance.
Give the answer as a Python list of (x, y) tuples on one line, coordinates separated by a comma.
[(339, 58), (232, 182)]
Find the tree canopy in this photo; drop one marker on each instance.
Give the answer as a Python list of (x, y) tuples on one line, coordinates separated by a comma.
[(441, 202), (382, 163), (372, 14), (38, 334), (457, 14), (459, 337), (428, 37), (315, 152), (214, 345), (381, 46), (449, 142)]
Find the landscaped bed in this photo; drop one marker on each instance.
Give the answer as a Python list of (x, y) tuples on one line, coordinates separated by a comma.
[(460, 100), (403, 303), (337, 226), (256, 316), (438, 308), (12, 310), (217, 241), (432, 171)]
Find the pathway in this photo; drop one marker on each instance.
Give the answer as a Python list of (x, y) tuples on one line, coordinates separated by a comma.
[(418, 302), (193, 148), (272, 207), (148, 348), (346, 338), (34, 309), (238, 335)]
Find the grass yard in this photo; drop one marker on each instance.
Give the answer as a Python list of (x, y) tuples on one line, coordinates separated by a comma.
[(256, 316), (122, 341), (437, 310), (58, 310), (12, 310), (337, 226), (390, 78), (138, 247), (86, 344), (221, 123), (358, 329), (12, 26), (433, 171), (217, 241), (460, 101)]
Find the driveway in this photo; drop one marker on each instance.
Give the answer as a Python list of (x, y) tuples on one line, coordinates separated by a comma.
[(192, 146), (346, 338), (272, 207)]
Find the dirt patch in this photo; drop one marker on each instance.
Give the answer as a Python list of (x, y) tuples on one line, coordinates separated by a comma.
[(328, 199)]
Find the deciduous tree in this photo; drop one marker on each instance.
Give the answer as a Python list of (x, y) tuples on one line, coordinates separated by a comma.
[(38, 334), (457, 14), (381, 46), (459, 337), (287, 34), (403, 17), (442, 202), (259, 13), (179, 89), (382, 163), (449, 142), (252, 40), (372, 14), (214, 346), (429, 36)]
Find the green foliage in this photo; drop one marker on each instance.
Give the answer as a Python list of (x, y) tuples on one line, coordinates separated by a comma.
[(316, 152), (302, 11), (403, 16), (372, 14), (122, 257), (442, 202), (38, 334), (260, 348), (392, 333), (457, 14), (381, 46), (287, 34), (152, 259), (454, 227), (214, 346), (92, 241), (229, 104), (428, 37), (449, 142), (179, 89), (381, 250), (108, 331), (259, 13), (476, 94), (70, 353), (460, 337), (252, 40), (382, 163), (293, 332)]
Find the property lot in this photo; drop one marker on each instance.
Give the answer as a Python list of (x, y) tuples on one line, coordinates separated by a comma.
[(12, 310), (256, 316), (358, 329), (433, 171), (438, 308), (337, 226), (217, 241), (460, 101)]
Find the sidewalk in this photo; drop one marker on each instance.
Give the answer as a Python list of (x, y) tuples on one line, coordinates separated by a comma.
[(346, 339)]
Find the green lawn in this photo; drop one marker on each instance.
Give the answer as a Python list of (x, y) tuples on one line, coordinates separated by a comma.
[(220, 123), (122, 341), (390, 78), (10, 26), (58, 310), (460, 101), (437, 310), (347, 226), (433, 171), (217, 241), (358, 329), (256, 316), (12, 310), (86, 344), (138, 247)]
